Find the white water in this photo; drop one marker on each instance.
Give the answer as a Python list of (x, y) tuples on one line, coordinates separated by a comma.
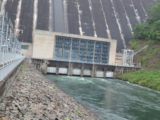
[(51, 17), (118, 23), (35, 14), (136, 12), (92, 15), (105, 19), (128, 20), (3, 6), (17, 21), (79, 18)]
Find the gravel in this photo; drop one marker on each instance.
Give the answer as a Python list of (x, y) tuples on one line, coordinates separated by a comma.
[(34, 97)]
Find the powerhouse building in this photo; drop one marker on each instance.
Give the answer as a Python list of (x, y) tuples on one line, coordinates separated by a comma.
[(73, 48)]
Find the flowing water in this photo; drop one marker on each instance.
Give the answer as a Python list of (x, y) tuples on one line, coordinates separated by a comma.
[(112, 99)]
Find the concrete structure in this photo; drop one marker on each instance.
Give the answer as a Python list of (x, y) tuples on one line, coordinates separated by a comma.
[(81, 69), (102, 18), (128, 55), (119, 59), (75, 55), (49, 45), (10, 55), (27, 49)]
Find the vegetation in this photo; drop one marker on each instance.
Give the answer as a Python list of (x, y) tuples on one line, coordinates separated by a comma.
[(147, 33), (149, 75), (150, 30), (149, 78), (23, 67)]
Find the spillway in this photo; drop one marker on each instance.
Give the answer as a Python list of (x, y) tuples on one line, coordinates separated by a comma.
[(100, 18)]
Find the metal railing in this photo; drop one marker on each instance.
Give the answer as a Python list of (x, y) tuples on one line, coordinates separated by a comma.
[(9, 45)]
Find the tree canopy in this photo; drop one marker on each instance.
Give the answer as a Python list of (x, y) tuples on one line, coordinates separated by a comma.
[(150, 30)]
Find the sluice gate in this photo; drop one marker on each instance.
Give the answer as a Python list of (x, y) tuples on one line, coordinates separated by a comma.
[(81, 69)]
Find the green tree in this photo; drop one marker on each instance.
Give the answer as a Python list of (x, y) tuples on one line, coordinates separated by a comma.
[(141, 31), (150, 30), (154, 14)]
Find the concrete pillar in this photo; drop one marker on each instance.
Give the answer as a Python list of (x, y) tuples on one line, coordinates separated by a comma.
[(70, 68), (57, 69), (44, 66), (115, 71), (121, 71), (104, 72), (94, 67), (82, 69)]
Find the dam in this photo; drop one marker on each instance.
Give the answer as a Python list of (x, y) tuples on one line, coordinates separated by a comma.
[(94, 34), (99, 18), (69, 54)]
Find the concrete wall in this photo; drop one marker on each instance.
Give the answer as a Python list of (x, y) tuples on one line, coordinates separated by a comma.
[(119, 59), (83, 69), (113, 44), (44, 42), (112, 53), (43, 45), (27, 52), (7, 76)]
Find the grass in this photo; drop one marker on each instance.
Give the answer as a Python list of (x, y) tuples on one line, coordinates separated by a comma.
[(67, 119), (78, 112), (53, 89), (149, 76), (149, 57), (23, 67)]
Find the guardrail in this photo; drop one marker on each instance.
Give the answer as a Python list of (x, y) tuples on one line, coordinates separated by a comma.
[(10, 47)]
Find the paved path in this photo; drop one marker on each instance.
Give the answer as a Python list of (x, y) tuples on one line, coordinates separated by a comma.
[(9, 68)]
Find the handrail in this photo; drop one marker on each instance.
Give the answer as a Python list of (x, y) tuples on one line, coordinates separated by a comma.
[(10, 46)]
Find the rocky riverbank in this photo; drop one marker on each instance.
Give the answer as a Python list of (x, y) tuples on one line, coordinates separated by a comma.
[(33, 97)]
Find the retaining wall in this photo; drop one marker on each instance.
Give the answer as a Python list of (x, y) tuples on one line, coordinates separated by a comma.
[(7, 75)]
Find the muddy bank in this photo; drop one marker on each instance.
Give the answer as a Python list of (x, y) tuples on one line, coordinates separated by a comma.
[(33, 97)]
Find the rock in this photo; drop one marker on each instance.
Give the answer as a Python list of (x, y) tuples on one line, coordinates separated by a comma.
[(2, 107), (4, 118), (33, 97), (51, 116), (28, 117)]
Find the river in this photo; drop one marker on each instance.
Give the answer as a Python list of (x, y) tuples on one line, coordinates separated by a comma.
[(112, 99)]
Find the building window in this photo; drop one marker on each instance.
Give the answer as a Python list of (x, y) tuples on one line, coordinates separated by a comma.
[(25, 47), (75, 50), (81, 50)]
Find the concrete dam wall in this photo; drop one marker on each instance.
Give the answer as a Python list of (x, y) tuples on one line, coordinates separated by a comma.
[(100, 18)]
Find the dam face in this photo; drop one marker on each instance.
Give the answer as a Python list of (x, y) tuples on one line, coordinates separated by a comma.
[(100, 18)]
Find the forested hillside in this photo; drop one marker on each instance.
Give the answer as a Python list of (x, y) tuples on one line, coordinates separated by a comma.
[(150, 30)]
